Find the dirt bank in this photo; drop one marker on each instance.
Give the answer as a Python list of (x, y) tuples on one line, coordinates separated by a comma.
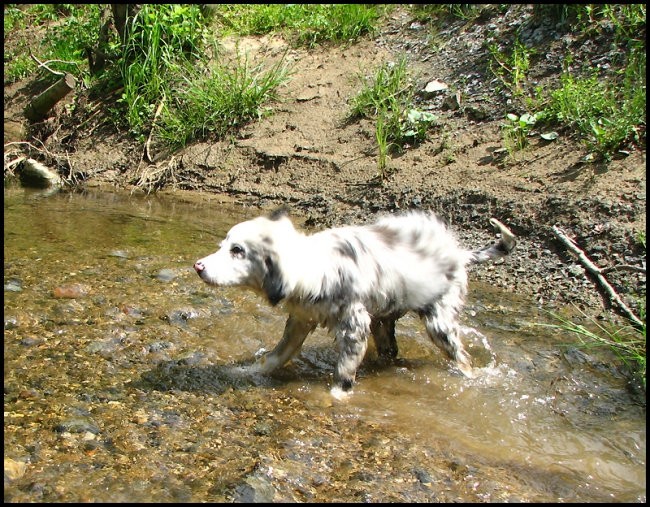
[(307, 155)]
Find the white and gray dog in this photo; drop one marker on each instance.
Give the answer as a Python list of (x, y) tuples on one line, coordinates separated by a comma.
[(355, 281)]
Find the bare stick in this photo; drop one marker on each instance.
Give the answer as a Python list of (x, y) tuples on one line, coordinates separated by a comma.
[(44, 65), (153, 125), (623, 267), (598, 273)]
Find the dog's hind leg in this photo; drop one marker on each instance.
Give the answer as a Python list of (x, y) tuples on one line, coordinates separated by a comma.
[(443, 330), (295, 332), (383, 332), (351, 333)]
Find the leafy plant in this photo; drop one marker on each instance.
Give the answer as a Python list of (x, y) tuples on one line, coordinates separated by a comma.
[(517, 129), (416, 124), (64, 45), (387, 96)]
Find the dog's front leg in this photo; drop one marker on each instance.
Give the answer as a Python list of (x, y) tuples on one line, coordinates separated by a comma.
[(295, 332), (351, 333)]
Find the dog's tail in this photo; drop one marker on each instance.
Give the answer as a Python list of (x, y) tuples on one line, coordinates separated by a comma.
[(501, 248)]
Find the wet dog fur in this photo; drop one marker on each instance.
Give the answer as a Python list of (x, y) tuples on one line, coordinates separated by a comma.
[(355, 280)]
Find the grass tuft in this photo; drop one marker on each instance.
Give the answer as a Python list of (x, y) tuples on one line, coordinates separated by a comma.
[(303, 24), (628, 343), (218, 103), (388, 97)]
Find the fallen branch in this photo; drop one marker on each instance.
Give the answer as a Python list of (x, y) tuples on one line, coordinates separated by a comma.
[(598, 273), (44, 65)]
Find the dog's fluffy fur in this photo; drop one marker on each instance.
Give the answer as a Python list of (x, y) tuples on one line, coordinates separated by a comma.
[(355, 281)]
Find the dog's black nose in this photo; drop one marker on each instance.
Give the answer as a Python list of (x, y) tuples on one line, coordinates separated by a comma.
[(198, 267)]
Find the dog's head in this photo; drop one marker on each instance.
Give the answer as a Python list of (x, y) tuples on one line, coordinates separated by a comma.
[(248, 257)]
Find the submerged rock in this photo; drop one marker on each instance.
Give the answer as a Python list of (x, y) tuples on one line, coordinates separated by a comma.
[(77, 425), (14, 469), (254, 489), (13, 285)]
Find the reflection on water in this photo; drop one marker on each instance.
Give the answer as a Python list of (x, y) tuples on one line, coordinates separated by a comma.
[(122, 382)]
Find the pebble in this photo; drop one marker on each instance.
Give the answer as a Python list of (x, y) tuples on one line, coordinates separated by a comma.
[(166, 275), (13, 285), (77, 425), (76, 290), (11, 323)]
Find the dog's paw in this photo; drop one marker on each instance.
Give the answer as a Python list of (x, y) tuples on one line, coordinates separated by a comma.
[(466, 370), (338, 393), (264, 364)]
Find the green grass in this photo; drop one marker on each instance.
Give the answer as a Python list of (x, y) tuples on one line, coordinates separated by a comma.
[(164, 69), (67, 30), (388, 97), (220, 102), (389, 87), (606, 110), (628, 343), (162, 41), (302, 24), (627, 20), (426, 13), (512, 66), (170, 89), (606, 116)]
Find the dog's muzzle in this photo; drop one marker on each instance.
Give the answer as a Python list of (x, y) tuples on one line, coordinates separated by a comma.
[(199, 267)]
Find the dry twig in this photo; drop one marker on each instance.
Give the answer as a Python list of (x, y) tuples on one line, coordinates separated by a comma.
[(153, 125), (598, 273)]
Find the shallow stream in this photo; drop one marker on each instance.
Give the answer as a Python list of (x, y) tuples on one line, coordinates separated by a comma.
[(121, 382)]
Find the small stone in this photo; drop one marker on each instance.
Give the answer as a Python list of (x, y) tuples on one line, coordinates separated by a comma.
[(14, 469), (13, 285), (435, 86), (166, 275), (35, 174), (254, 489), (73, 291), (77, 425)]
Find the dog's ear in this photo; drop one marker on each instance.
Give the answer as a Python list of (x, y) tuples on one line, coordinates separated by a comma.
[(273, 284), (279, 213)]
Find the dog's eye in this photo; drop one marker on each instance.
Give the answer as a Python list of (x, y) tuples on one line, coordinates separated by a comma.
[(237, 251)]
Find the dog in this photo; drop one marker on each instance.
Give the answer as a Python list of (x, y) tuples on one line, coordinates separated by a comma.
[(355, 281)]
